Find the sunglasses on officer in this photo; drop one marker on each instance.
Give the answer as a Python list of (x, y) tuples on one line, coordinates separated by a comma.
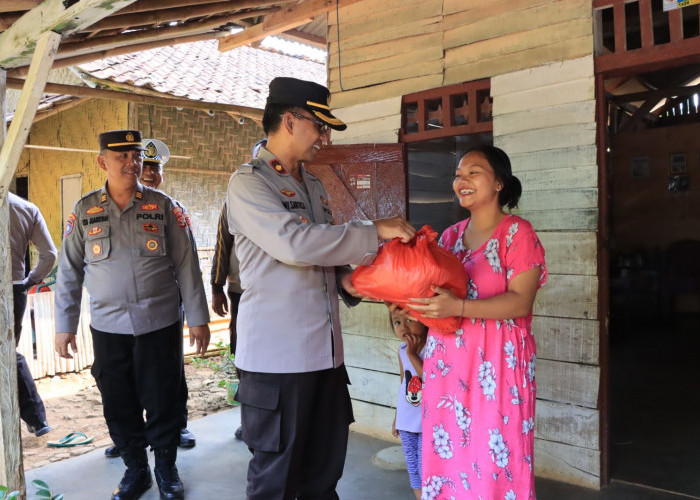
[(322, 128)]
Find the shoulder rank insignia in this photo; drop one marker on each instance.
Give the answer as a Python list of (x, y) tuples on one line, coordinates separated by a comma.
[(148, 207), (94, 230), (277, 165), (94, 210), (288, 193)]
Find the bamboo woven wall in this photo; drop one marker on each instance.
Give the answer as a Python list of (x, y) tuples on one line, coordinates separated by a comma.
[(216, 145)]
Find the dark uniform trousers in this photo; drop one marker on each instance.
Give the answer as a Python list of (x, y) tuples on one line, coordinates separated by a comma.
[(136, 373), (31, 407), (234, 299), (296, 425)]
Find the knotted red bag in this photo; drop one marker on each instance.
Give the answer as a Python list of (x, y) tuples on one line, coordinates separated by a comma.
[(405, 270)]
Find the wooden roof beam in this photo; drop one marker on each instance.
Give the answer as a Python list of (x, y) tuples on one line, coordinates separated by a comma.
[(288, 18), (18, 42), (166, 16), (18, 5), (307, 38), (152, 5), (76, 90), (149, 35), (656, 94)]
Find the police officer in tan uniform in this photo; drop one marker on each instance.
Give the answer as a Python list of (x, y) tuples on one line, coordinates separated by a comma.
[(155, 155), (132, 248), (295, 405)]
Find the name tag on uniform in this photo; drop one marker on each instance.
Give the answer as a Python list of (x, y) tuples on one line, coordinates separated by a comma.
[(294, 205)]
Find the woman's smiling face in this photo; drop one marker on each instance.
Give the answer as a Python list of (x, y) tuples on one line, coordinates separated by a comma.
[(475, 182)]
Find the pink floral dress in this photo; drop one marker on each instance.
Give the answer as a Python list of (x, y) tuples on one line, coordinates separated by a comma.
[(479, 394)]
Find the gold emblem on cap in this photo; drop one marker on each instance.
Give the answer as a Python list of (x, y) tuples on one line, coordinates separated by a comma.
[(151, 150), (129, 137)]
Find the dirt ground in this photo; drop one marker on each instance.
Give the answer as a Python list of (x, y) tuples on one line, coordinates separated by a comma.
[(73, 404)]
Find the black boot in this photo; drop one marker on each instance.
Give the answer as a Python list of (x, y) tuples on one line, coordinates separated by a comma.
[(137, 478), (167, 477)]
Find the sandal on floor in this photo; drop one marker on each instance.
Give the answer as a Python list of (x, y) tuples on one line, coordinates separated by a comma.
[(72, 439)]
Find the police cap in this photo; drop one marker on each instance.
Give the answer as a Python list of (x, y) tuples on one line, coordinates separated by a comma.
[(311, 96), (155, 151), (121, 140)]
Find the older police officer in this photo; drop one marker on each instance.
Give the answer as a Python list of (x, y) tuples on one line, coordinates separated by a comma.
[(155, 155), (133, 249), (295, 405)]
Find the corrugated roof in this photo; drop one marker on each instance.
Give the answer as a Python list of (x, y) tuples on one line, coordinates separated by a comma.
[(199, 71)]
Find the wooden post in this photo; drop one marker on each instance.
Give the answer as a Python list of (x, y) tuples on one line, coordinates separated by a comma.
[(42, 60), (11, 469)]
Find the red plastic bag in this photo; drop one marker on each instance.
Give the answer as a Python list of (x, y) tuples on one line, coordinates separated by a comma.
[(402, 271)]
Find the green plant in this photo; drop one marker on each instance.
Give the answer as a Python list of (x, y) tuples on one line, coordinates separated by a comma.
[(42, 491), (5, 495), (224, 363)]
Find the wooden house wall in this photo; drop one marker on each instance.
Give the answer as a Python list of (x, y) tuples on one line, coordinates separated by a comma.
[(545, 119), (412, 45), (538, 55)]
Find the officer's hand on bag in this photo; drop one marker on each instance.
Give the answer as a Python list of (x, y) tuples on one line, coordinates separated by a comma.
[(201, 335), (63, 340), (396, 227)]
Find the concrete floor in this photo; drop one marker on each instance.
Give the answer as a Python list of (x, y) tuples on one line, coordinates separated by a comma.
[(216, 469)]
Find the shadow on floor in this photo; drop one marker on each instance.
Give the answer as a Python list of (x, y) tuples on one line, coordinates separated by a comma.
[(655, 431), (216, 469)]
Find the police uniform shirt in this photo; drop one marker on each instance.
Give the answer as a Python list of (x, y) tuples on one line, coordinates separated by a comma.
[(131, 262), (27, 224), (288, 249)]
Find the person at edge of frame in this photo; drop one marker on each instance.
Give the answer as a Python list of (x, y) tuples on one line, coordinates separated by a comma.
[(27, 224)]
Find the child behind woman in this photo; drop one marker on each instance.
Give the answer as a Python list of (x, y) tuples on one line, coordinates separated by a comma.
[(407, 422)]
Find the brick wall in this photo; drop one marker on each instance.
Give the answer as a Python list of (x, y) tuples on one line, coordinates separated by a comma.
[(215, 144)]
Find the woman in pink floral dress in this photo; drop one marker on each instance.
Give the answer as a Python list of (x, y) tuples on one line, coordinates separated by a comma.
[(479, 394)]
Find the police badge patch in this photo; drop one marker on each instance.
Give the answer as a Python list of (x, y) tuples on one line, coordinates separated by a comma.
[(69, 224)]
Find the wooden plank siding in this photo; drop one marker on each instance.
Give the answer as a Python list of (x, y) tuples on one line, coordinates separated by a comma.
[(446, 42), (538, 55), (376, 122), (545, 118)]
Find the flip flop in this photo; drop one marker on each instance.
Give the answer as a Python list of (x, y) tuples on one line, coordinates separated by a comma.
[(72, 439)]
